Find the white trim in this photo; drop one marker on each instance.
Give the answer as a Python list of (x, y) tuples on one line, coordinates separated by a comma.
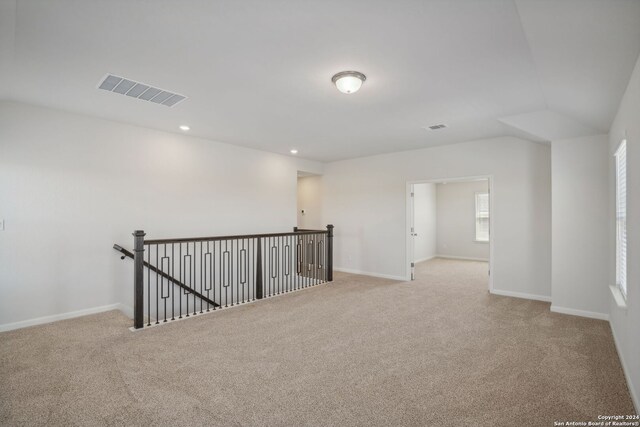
[(616, 293), (463, 258), (625, 369), (581, 313), (522, 295), (367, 273), (425, 259), (63, 316)]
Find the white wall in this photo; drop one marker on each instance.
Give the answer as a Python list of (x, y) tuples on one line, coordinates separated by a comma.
[(625, 322), (425, 221), (580, 239), (457, 222), (71, 186), (366, 200), (310, 199)]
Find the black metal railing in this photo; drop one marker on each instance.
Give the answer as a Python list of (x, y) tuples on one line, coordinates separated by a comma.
[(177, 278)]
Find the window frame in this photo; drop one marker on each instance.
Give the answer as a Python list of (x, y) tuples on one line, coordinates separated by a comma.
[(621, 279)]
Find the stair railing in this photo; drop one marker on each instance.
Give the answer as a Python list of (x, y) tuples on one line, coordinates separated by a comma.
[(189, 276)]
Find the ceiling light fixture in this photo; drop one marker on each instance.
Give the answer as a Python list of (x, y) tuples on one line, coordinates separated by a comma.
[(184, 127), (348, 81), (294, 151)]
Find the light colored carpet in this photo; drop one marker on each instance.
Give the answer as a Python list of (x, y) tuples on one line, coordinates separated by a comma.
[(439, 351)]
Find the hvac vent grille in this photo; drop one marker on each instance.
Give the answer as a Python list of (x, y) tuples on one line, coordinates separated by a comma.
[(139, 90), (436, 127)]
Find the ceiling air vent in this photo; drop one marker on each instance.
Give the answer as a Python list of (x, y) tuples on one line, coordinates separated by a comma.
[(139, 90), (436, 127)]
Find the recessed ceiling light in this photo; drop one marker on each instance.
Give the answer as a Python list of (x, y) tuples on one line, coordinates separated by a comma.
[(294, 151), (348, 81), (184, 127)]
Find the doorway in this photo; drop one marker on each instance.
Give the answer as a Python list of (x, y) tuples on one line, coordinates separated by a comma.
[(449, 219), (309, 201)]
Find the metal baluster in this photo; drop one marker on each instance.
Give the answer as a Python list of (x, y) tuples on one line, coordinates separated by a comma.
[(259, 284), (180, 261), (149, 286), (310, 258), (210, 269), (329, 253), (194, 277), (226, 275), (241, 270), (157, 277), (173, 288), (305, 266), (276, 274), (316, 251), (297, 262), (185, 276), (280, 270), (213, 274), (286, 259), (201, 275), (163, 279), (255, 267), (231, 281), (311, 242)]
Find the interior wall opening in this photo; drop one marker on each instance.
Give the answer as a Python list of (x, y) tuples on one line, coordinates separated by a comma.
[(449, 220)]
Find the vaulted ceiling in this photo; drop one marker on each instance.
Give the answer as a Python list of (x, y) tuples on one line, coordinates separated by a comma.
[(258, 73)]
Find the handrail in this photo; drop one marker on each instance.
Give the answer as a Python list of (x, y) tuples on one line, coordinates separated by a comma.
[(240, 236), (128, 254)]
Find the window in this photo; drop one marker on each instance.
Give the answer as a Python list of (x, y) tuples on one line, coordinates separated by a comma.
[(621, 218), (482, 217)]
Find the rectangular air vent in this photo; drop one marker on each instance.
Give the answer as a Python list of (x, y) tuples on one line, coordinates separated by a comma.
[(436, 127), (139, 90)]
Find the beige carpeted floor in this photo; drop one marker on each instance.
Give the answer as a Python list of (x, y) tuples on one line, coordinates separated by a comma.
[(439, 351)]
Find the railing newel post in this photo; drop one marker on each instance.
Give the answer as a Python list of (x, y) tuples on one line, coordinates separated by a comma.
[(138, 279), (330, 253)]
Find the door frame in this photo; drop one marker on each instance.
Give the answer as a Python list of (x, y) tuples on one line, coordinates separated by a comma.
[(409, 250)]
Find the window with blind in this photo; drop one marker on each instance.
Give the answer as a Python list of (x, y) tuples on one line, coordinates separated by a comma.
[(482, 217), (621, 217)]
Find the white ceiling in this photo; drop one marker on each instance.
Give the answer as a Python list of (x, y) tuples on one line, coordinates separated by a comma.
[(258, 73)]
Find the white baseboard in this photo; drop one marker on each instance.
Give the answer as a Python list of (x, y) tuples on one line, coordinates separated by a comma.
[(462, 258), (424, 259), (522, 295), (581, 313), (366, 273), (634, 396), (69, 315)]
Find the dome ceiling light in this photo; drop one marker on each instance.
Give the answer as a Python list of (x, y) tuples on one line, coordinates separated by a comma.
[(348, 81)]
